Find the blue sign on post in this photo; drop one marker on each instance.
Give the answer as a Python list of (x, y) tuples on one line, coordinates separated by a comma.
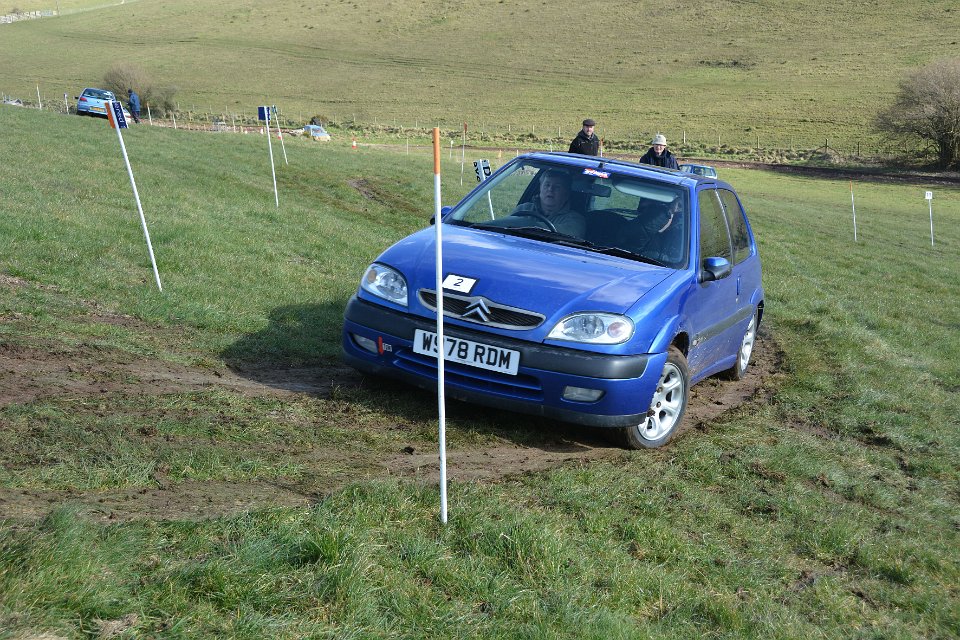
[(263, 113), (118, 121)]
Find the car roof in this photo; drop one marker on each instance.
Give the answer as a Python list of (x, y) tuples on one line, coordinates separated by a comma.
[(626, 167), (621, 166)]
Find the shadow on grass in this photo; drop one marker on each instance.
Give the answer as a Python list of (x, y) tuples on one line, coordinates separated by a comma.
[(299, 352)]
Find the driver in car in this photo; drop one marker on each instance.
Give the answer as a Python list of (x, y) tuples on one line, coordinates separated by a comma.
[(553, 204)]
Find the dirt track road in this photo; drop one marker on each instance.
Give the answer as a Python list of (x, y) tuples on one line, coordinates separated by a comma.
[(28, 374)]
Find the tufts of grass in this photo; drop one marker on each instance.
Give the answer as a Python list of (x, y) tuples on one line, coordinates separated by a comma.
[(826, 508)]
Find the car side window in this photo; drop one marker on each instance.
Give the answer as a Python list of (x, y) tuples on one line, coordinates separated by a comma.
[(714, 237), (738, 226)]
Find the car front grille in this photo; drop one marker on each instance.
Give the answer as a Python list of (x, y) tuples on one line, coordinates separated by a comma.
[(481, 311)]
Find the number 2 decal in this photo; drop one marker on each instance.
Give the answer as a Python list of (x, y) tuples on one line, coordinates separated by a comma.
[(462, 284)]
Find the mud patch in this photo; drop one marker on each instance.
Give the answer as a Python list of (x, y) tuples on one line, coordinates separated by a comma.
[(191, 500), (29, 373), (43, 370)]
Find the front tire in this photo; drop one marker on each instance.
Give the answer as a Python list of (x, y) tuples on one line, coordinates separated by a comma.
[(667, 407)]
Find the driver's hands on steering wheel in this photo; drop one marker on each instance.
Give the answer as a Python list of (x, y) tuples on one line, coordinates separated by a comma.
[(536, 216)]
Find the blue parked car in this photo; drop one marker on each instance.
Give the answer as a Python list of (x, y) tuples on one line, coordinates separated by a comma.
[(699, 169), (586, 290), (93, 102)]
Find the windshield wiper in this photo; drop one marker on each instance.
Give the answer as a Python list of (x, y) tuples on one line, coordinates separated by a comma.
[(623, 253)]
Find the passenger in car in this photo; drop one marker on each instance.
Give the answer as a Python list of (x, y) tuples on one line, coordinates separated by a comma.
[(553, 203), (657, 232)]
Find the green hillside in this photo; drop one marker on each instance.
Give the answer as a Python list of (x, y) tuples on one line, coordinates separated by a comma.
[(786, 73), (196, 464)]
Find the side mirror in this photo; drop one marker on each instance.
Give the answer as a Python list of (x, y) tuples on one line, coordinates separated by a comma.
[(443, 212), (715, 268)]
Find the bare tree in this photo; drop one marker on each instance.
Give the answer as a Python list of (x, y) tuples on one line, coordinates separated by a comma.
[(130, 76), (927, 111)]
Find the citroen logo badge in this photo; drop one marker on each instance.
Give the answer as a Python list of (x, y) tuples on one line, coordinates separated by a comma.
[(478, 308)]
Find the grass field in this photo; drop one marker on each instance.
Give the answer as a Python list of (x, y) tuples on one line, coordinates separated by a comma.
[(828, 507), (781, 74)]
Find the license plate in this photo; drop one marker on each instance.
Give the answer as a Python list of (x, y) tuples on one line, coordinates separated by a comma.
[(474, 354), (98, 109)]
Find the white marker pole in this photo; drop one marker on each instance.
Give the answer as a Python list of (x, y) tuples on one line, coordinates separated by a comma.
[(854, 206), (280, 135), (440, 340), (143, 221), (463, 152), (276, 196), (38, 98), (929, 196)]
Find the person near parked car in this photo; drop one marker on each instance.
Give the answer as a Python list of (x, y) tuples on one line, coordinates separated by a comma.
[(133, 103), (658, 155), (586, 141)]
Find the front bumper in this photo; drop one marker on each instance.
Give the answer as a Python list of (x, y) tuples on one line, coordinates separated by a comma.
[(627, 382)]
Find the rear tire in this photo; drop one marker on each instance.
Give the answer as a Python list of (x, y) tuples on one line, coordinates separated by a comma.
[(739, 368), (667, 407)]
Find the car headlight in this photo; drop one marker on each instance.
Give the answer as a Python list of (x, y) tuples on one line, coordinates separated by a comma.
[(386, 283), (594, 328)]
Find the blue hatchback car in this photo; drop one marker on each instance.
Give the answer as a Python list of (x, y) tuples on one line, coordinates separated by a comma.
[(586, 290)]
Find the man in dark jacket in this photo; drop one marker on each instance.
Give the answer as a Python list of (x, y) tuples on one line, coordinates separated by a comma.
[(586, 141), (658, 155), (133, 103)]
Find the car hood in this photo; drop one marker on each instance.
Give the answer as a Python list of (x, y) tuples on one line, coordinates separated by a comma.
[(544, 278)]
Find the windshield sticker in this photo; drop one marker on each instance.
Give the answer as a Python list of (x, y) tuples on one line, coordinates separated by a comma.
[(458, 283), (595, 172)]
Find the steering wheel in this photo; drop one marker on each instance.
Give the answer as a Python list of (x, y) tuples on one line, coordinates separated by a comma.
[(538, 216)]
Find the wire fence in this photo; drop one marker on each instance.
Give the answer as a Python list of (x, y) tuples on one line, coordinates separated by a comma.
[(714, 143)]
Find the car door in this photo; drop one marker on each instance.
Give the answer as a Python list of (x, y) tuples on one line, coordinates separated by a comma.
[(746, 261), (712, 306)]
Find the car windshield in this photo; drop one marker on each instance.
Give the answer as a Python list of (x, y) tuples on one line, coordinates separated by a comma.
[(597, 209), (99, 94)]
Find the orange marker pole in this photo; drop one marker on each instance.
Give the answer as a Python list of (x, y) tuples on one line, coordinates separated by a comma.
[(441, 404)]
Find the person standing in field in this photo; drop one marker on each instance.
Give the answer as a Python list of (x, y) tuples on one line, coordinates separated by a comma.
[(133, 103), (658, 155), (586, 141)]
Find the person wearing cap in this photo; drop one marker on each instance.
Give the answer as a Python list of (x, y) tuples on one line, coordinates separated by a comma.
[(658, 155), (586, 141)]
